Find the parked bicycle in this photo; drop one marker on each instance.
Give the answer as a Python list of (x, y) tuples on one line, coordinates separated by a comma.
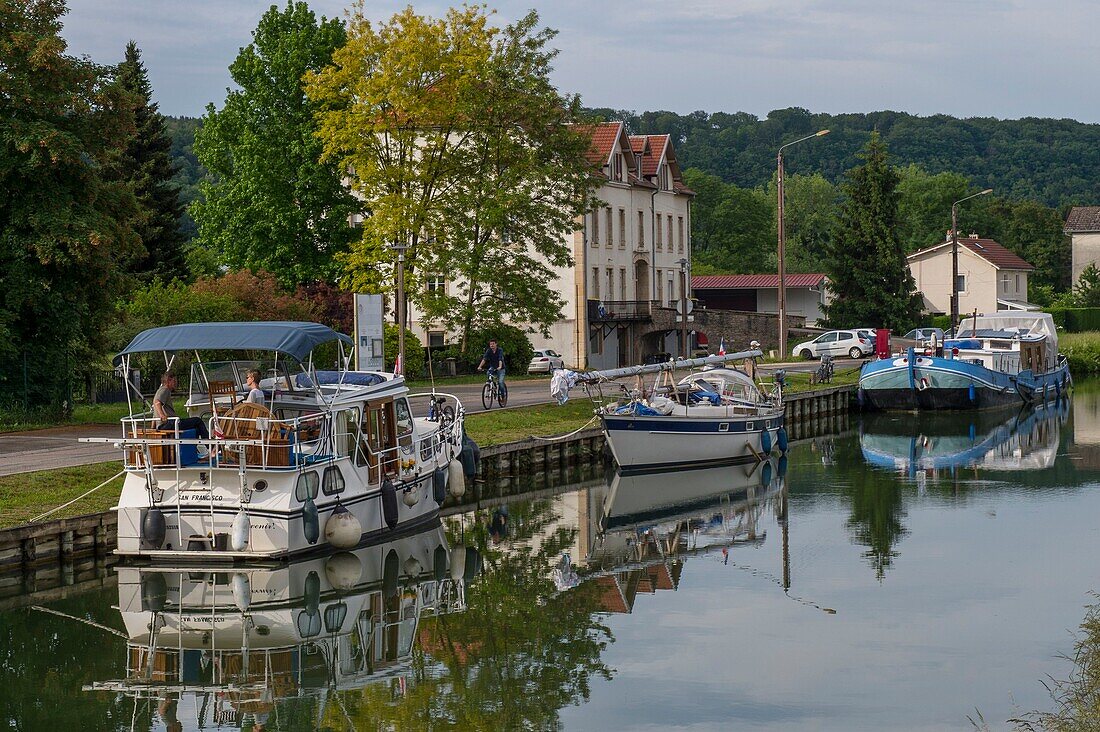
[(824, 374), (493, 391), (440, 411)]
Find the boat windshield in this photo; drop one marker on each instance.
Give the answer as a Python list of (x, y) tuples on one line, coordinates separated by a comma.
[(726, 382), (233, 374)]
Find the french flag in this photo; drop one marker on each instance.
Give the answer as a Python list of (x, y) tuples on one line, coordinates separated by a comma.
[(722, 347)]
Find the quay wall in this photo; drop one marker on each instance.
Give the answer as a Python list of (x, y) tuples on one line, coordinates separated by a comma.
[(50, 560)]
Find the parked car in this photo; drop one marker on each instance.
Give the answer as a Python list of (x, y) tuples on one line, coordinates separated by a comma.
[(835, 343), (870, 334), (545, 360)]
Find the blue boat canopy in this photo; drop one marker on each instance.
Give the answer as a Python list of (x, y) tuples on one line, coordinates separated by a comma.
[(295, 339)]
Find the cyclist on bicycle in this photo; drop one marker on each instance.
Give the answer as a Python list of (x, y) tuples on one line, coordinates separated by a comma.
[(494, 359)]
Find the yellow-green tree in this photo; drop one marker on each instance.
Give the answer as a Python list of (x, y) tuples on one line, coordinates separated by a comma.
[(461, 148)]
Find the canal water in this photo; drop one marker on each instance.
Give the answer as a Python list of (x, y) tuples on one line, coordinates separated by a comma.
[(910, 574)]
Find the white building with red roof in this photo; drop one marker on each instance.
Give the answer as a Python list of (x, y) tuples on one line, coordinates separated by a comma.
[(991, 277), (628, 256), (759, 293)]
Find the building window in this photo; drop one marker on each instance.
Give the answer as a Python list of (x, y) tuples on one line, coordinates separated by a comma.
[(595, 342), (610, 283), (617, 169), (437, 284), (622, 228), (680, 232), (641, 229), (960, 283), (610, 229), (671, 294), (436, 339), (595, 228), (657, 232), (1018, 290), (670, 232), (622, 283), (596, 282)]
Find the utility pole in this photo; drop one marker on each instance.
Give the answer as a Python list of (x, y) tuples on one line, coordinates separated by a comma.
[(955, 257), (400, 248), (683, 308)]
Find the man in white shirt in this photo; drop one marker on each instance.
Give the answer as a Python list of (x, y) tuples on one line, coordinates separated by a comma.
[(255, 394)]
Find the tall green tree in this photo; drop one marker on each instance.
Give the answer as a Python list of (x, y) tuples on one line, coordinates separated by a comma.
[(66, 223), (732, 229), (868, 276), (924, 206), (147, 165), (811, 205), (272, 203), (461, 148)]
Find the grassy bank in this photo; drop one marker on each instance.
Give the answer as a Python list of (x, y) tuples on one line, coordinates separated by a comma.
[(24, 496), (108, 413), (1083, 352)]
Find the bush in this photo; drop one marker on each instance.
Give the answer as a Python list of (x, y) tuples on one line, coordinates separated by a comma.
[(1083, 352), (515, 343), (1076, 320), (414, 351)]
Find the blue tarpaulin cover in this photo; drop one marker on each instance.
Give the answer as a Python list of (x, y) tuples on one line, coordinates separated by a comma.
[(287, 337)]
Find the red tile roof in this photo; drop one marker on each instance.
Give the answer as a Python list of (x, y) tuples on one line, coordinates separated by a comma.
[(610, 597), (603, 139), (988, 250), (1082, 219), (657, 145), (753, 281)]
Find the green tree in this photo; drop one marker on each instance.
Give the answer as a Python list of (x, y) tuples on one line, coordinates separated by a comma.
[(1086, 293), (732, 229), (868, 275), (271, 203), (147, 166), (810, 215), (67, 225), (924, 206), (461, 148)]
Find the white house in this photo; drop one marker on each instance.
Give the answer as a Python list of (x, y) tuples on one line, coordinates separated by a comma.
[(628, 256), (991, 278), (1083, 229)]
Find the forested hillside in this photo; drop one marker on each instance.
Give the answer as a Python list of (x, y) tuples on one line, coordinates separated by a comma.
[(188, 170), (1056, 162)]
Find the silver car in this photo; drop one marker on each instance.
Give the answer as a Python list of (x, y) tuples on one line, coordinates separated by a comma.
[(835, 343), (544, 361)]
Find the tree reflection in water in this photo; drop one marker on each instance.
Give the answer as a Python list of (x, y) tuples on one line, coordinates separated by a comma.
[(517, 654)]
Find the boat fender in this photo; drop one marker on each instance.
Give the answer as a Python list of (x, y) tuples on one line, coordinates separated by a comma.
[(411, 495), (343, 570), (153, 527), (311, 592), (154, 592), (766, 473), (924, 383), (471, 456), (781, 469), (242, 591), (439, 563), (457, 480), (972, 393), (238, 535), (412, 567), (439, 485), (781, 440), (458, 562), (765, 442), (391, 569), (389, 503), (311, 526), (342, 529), (472, 565)]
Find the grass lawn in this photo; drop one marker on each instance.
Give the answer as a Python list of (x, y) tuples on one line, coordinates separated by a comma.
[(107, 413), (24, 496), (543, 420)]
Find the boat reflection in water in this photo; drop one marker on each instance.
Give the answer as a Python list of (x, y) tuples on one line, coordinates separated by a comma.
[(226, 647), (641, 527), (922, 444)]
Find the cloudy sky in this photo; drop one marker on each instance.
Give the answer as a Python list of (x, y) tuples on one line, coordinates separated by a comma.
[(999, 58)]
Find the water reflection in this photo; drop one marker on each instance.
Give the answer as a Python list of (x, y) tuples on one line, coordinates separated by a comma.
[(929, 443)]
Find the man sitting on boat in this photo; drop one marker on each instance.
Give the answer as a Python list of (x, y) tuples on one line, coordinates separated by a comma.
[(166, 413), (255, 394)]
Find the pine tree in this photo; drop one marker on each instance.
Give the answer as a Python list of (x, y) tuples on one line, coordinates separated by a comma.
[(868, 274), (147, 165)]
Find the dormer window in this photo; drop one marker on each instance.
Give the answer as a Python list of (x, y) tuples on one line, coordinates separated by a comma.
[(617, 167)]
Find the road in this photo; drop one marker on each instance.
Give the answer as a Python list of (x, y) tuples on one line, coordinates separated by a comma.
[(59, 447)]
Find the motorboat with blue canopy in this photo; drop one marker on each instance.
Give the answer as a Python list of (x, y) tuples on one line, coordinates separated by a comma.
[(716, 415), (994, 361), (325, 458)]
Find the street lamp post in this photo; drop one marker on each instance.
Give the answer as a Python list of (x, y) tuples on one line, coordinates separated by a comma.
[(783, 241), (955, 257), (400, 248)]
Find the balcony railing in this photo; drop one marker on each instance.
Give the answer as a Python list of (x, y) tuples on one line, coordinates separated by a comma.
[(603, 310)]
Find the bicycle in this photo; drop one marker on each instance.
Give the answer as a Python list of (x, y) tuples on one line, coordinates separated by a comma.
[(440, 411), (493, 391), (824, 373)]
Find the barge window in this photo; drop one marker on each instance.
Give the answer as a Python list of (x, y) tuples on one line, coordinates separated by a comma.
[(306, 486), (333, 482), (404, 422)]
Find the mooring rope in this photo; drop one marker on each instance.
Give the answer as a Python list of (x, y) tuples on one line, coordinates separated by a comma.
[(82, 495), (582, 428)]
